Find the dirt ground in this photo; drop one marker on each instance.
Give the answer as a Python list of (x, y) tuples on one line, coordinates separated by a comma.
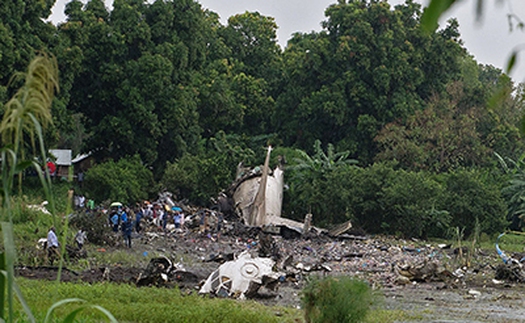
[(448, 293)]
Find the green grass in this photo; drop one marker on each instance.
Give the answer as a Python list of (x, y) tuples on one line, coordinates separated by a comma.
[(131, 304), (33, 193), (390, 316), (508, 243), (127, 257)]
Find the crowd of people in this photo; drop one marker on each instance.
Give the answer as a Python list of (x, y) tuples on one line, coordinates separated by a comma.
[(125, 221)]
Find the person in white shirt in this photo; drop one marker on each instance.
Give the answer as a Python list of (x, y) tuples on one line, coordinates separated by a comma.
[(80, 238), (52, 245)]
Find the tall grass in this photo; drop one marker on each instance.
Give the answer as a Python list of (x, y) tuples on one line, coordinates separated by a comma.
[(336, 299), (22, 135)]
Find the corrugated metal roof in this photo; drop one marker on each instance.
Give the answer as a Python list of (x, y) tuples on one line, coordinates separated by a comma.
[(63, 156), (80, 157)]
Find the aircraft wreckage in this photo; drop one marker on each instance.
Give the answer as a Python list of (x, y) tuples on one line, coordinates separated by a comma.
[(257, 196)]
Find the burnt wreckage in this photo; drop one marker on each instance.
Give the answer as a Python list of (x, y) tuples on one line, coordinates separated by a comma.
[(256, 197)]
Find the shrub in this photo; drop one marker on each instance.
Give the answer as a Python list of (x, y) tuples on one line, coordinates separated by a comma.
[(471, 197), (410, 206), (385, 200), (365, 194), (202, 176), (336, 299), (127, 181), (95, 226)]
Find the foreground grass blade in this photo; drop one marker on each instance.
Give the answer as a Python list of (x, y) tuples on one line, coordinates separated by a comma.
[(2, 285), (23, 302), (60, 303), (10, 256), (70, 318), (106, 312)]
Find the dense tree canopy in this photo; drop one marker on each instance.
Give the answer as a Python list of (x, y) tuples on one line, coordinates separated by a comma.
[(371, 65)]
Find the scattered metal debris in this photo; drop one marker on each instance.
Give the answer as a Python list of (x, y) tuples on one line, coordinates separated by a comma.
[(241, 277), (424, 272), (156, 272), (40, 207)]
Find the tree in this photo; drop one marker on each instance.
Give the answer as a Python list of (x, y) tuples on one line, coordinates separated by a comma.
[(458, 127), (23, 31), (135, 81), (252, 39), (370, 66), (439, 138)]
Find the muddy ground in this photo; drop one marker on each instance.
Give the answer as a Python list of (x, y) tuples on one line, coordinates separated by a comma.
[(447, 292)]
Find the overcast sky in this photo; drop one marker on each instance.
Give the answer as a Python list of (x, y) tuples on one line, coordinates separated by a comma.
[(489, 41)]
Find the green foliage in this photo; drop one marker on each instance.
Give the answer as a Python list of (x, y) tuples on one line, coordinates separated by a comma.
[(474, 197), (457, 128), (409, 201), (95, 226), (435, 9), (385, 200), (25, 111), (371, 65), (514, 191), (199, 177), (126, 181), (313, 189), (336, 299)]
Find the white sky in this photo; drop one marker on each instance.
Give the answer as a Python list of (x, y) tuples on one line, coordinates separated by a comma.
[(489, 41)]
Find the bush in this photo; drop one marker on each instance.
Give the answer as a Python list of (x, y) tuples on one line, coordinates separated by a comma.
[(202, 176), (95, 226), (365, 196), (410, 206), (474, 197), (336, 299), (385, 200), (127, 181)]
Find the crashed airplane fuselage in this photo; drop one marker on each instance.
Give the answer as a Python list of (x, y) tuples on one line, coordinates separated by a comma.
[(259, 193), (258, 197)]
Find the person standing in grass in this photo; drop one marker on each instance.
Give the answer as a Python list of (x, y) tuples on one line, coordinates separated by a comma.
[(80, 238), (52, 245)]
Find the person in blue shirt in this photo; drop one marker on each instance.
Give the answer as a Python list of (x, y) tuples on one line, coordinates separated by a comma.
[(138, 217), (177, 217), (115, 219), (127, 228), (123, 214)]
